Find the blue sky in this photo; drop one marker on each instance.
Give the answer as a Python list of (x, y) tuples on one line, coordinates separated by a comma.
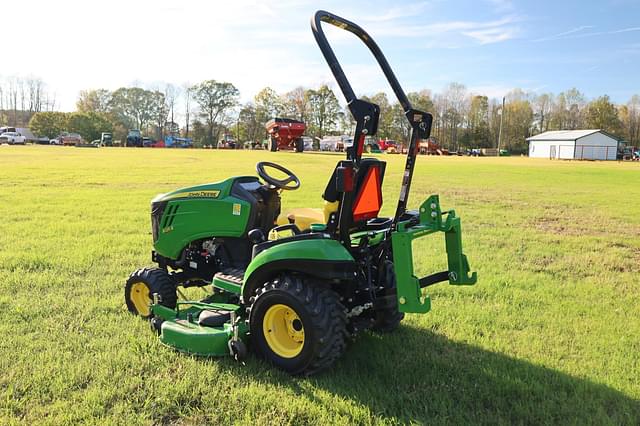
[(491, 46)]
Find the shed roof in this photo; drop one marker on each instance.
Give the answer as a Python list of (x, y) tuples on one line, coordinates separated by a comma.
[(566, 135)]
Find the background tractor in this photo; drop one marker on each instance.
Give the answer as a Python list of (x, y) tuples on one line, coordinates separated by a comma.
[(134, 138)]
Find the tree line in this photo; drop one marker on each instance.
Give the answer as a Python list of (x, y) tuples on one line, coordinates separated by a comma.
[(462, 119), (20, 98)]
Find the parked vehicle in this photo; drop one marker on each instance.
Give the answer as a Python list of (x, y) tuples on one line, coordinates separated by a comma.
[(335, 143), (307, 142), (371, 145), (148, 142), (431, 147), (24, 131), (41, 141), (227, 142), (329, 143), (106, 139), (628, 153), (176, 142), (134, 138), (389, 146), (70, 139), (251, 145), (12, 138)]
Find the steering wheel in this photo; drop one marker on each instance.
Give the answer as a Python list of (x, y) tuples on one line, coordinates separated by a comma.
[(278, 183)]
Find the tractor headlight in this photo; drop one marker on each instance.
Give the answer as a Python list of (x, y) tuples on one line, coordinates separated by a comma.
[(157, 210)]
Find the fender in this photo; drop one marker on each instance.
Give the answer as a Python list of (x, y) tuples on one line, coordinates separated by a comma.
[(322, 258)]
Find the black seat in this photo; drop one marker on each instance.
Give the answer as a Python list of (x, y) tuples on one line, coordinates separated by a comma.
[(214, 317), (348, 186)]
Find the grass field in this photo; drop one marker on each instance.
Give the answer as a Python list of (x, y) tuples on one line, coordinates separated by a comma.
[(550, 334)]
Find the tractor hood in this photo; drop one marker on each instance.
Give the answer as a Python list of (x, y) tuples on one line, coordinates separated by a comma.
[(208, 190), (202, 211)]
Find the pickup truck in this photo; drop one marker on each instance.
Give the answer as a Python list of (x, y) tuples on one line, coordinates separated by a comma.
[(12, 138), (67, 139)]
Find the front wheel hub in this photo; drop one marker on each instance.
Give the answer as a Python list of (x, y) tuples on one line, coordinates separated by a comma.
[(141, 298)]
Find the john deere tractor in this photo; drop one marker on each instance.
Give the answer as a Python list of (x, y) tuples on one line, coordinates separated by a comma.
[(293, 285)]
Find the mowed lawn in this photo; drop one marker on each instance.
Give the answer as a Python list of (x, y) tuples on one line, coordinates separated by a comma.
[(550, 334)]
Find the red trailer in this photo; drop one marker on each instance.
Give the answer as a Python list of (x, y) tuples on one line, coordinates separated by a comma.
[(431, 147), (389, 146), (285, 134)]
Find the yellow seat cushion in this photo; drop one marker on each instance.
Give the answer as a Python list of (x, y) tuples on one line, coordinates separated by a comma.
[(304, 217)]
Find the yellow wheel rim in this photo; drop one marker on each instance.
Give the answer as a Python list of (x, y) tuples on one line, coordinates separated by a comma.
[(140, 297), (283, 331)]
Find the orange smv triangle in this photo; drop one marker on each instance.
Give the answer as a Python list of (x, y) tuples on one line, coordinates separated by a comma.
[(369, 199)]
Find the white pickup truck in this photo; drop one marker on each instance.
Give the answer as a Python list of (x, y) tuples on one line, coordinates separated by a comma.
[(12, 138)]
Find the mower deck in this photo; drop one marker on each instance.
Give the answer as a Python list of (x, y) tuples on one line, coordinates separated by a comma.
[(186, 328)]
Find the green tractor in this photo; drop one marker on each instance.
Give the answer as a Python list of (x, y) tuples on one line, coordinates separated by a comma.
[(293, 286)]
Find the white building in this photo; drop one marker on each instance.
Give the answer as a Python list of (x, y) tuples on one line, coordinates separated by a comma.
[(574, 145)]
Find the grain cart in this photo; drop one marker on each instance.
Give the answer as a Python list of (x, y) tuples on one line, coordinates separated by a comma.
[(285, 134)]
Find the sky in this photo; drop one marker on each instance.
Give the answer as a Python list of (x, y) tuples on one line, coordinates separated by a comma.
[(490, 46)]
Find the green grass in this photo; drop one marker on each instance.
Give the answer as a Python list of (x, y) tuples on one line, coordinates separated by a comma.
[(550, 334)]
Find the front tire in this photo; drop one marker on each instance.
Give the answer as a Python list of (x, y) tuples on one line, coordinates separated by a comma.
[(299, 145), (142, 284), (273, 144), (297, 326)]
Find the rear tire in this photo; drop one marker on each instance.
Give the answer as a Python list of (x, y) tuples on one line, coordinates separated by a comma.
[(299, 145), (273, 144), (388, 317), (297, 326), (387, 320), (142, 284)]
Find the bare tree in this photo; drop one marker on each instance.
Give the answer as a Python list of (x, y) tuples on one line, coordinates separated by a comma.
[(187, 107), (297, 103), (22, 94), (13, 99), (171, 93), (35, 86), (214, 99), (456, 97), (543, 104)]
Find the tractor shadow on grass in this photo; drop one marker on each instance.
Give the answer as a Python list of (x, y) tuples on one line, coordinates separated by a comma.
[(414, 375)]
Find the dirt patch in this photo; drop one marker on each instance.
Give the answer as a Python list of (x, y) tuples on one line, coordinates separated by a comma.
[(578, 227), (566, 226)]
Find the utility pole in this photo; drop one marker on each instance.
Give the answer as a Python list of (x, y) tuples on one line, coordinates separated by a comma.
[(238, 129), (187, 99), (500, 131), (173, 133)]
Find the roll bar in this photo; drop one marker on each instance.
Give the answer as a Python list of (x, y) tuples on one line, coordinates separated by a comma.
[(366, 113), (338, 73)]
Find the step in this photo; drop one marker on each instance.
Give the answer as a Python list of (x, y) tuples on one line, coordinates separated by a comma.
[(229, 280)]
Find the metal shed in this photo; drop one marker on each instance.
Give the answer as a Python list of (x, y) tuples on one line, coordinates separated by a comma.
[(594, 144)]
